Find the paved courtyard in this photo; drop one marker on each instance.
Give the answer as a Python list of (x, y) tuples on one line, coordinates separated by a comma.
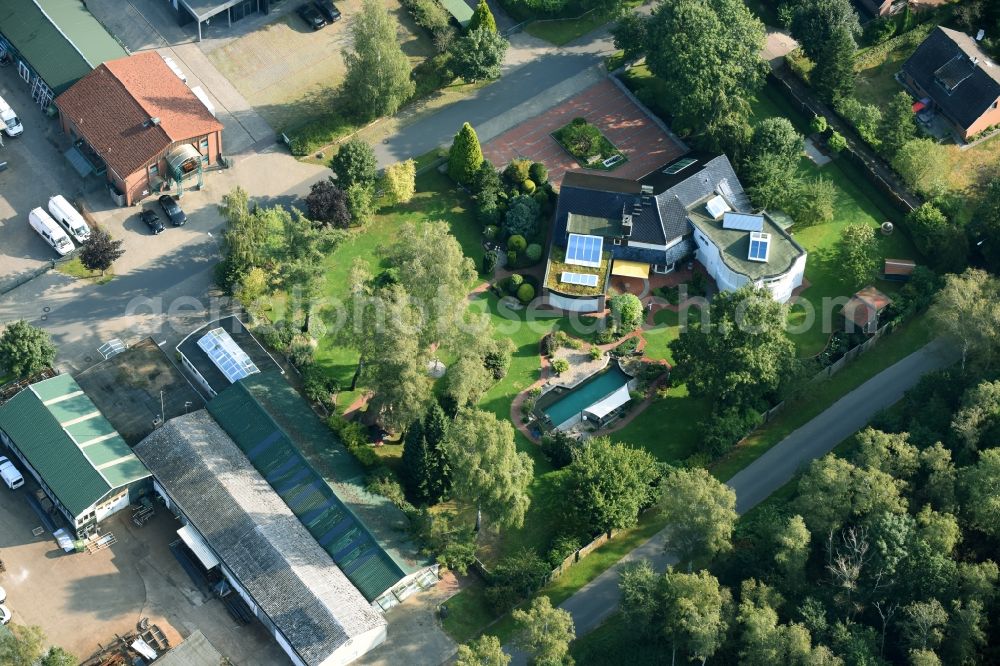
[(80, 600), (604, 105)]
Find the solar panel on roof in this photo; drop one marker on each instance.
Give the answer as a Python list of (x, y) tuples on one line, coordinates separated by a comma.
[(759, 246), (717, 206), (584, 250), (743, 222), (679, 166), (227, 356), (585, 279)]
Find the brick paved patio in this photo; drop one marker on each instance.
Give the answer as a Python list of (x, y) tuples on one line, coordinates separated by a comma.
[(604, 105)]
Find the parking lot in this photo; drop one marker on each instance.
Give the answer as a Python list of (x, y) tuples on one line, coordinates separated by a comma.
[(81, 599), (35, 171)]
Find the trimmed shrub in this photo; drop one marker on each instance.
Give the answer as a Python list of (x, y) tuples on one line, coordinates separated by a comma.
[(818, 124), (627, 311), (517, 171), (491, 232), (301, 351), (560, 365), (596, 353), (525, 293), (516, 243), (559, 448), (522, 216), (562, 547), (724, 429), (511, 257), (465, 156), (836, 142), (534, 252), (489, 262), (528, 186), (538, 173), (514, 283), (355, 438)]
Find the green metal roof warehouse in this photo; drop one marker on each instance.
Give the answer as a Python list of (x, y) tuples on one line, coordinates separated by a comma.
[(60, 40), (76, 455)]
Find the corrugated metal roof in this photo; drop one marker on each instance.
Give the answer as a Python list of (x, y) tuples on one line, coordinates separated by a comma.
[(339, 532), (69, 443), (254, 533), (63, 49)]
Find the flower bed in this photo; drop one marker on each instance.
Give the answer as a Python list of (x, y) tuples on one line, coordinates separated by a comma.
[(590, 148)]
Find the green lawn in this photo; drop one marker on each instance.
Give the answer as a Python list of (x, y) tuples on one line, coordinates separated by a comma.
[(436, 199), (564, 31), (74, 268)]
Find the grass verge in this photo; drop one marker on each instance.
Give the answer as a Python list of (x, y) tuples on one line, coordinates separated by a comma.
[(75, 268)]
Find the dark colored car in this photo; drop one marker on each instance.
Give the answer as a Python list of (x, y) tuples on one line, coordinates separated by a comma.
[(151, 220), (311, 16), (328, 10), (173, 210)]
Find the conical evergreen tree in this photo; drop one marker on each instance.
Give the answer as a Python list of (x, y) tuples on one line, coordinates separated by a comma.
[(424, 465), (435, 430), (482, 18), (465, 156)]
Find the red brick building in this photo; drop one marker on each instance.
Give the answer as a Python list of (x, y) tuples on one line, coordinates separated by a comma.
[(135, 119), (951, 73)]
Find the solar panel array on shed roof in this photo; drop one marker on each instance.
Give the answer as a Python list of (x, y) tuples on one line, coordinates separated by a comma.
[(584, 250), (307, 494), (585, 279), (227, 356), (742, 221)]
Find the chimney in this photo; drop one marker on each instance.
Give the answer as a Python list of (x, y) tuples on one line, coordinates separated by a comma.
[(155, 120), (627, 222)]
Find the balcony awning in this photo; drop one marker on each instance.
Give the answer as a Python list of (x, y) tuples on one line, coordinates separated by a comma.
[(183, 159), (198, 546), (635, 269), (608, 404)]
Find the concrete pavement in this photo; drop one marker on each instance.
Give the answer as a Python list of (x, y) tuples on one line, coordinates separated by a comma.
[(593, 603)]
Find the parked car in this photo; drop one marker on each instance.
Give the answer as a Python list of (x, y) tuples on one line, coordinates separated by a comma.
[(151, 220), (328, 10), (3, 595), (173, 210), (11, 477), (311, 16), (5, 614)]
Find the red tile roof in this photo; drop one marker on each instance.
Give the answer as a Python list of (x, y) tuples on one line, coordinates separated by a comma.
[(864, 306), (111, 108)]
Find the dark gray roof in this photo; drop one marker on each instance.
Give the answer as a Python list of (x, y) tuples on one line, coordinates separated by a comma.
[(943, 66), (600, 196), (257, 536), (232, 325)]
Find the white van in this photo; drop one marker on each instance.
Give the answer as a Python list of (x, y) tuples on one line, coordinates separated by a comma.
[(66, 215), (11, 477), (50, 232), (9, 121)]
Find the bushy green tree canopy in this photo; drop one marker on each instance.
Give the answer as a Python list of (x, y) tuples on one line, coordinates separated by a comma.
[(25, 349), (378, 81)]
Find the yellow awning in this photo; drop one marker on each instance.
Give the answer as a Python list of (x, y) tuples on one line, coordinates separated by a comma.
[(635, 269)]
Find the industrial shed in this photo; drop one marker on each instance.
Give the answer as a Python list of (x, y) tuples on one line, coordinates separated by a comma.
[(365, 534), (293, 587), (78, 458)]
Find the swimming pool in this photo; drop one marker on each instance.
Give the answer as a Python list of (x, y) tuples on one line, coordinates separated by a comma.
[(582, 396)]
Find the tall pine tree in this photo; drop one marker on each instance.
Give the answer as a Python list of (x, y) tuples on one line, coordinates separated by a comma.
[(466, 156), (425, 468)]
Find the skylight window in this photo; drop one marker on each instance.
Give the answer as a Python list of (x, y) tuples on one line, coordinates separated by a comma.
[(584, 250), (760, 245)]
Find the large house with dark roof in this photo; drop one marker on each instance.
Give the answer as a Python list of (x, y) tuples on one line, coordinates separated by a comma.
[(950, 73), (693, 207), (136, 121), (236, 523), (77, 457)]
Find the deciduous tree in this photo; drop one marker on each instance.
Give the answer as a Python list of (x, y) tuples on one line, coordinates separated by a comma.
[(608, 484), (378, 80), (482, 651), (100, 251), (544, 631), (924, 165), (741, 355), (21, 645), (627, 311), (478, 55), (354, 163), (791, 552), (708, 55), (981, 485), (857, 254), (487, 471), (966, 311), (813, 201), (400, 180), (700, 513), (327, 204), (25, 349)]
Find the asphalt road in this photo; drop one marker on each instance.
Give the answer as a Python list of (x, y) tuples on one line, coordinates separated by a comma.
[(593, 603)]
